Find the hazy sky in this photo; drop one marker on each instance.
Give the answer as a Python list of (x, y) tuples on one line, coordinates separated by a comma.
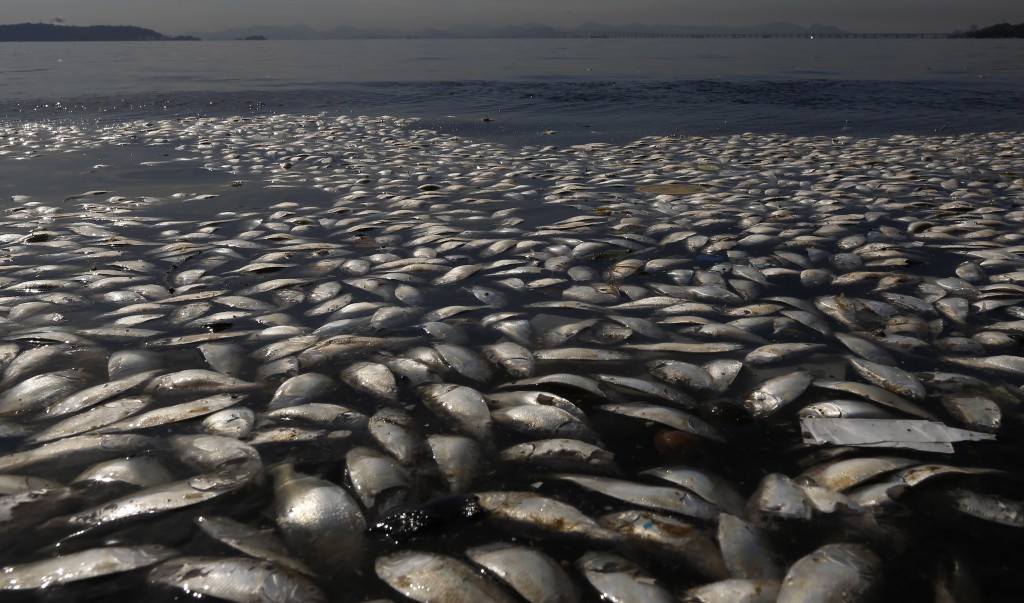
[(182, 16)]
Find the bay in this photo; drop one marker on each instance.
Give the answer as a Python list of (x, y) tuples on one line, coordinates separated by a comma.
[(514, 89)]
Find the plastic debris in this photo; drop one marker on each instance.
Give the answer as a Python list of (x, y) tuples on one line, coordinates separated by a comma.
[(929, 436)]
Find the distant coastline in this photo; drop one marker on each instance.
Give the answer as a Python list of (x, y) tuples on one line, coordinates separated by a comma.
[(47, 32), (1000, 30)]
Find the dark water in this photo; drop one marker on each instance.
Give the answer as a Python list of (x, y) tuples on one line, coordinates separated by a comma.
[(574, 90)]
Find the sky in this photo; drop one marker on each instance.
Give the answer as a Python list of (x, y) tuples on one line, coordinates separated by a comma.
[(174, 17)]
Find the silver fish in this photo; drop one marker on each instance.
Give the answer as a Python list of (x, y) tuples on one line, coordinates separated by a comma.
[(659, 498), (617, 579), (458, 458), (81, 565), (735, 590), (669, 538), (39, 392), (834, 572), (746, 549), (319, 519), (462, 406), (773, 394), (157, 499), (372, 378), (239, 579), (301, 389), (535, 576), (544, 421), (540, 516), (262, 544), (671, 417), (562, 454), (429, 577)]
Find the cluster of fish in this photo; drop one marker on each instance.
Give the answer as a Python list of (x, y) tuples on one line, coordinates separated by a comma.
[(740, 369)]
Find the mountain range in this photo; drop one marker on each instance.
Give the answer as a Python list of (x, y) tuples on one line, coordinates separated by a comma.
[(302, 32)]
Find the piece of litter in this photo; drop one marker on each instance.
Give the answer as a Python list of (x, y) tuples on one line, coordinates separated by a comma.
[(929, 436)]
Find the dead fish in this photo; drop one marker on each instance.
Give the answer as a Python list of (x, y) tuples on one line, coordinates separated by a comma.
[(1005, 365), (74, 451), (686, 347), (397, 433), (849, 409), (375, 476), (722, 372), (834, 572), (846, 473), (659, 498), (671, 417), (544, 422), (634, 386), (430, 577), (136, 471), (230, 422), (157, 499), (199, 381), (988, 507), (94, 418), (239, 579), (875, 394), (562, 454), (974, 412), (458, 459), (81, 565), (669, 538), (777, 353), (341, 347), (301, 389), (540, 516), (25, 509), (704, 483), (319, 519), (535, 576), (773, 394), (465, 361), (617, 579), (891, 378), (689, 376), (776, 497), (735, 590), (174, 413), (746, 550), (262, 544), (98, 393), (372, 378), (37, 393), (515, 359), (34, 361), (569, 380), (463, 406)]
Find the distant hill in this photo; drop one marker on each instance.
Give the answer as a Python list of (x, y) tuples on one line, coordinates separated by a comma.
[(46, 32), (529, 30), (1001, 30)]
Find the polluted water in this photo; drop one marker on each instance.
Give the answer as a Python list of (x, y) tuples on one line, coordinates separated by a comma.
[(330, 358)]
